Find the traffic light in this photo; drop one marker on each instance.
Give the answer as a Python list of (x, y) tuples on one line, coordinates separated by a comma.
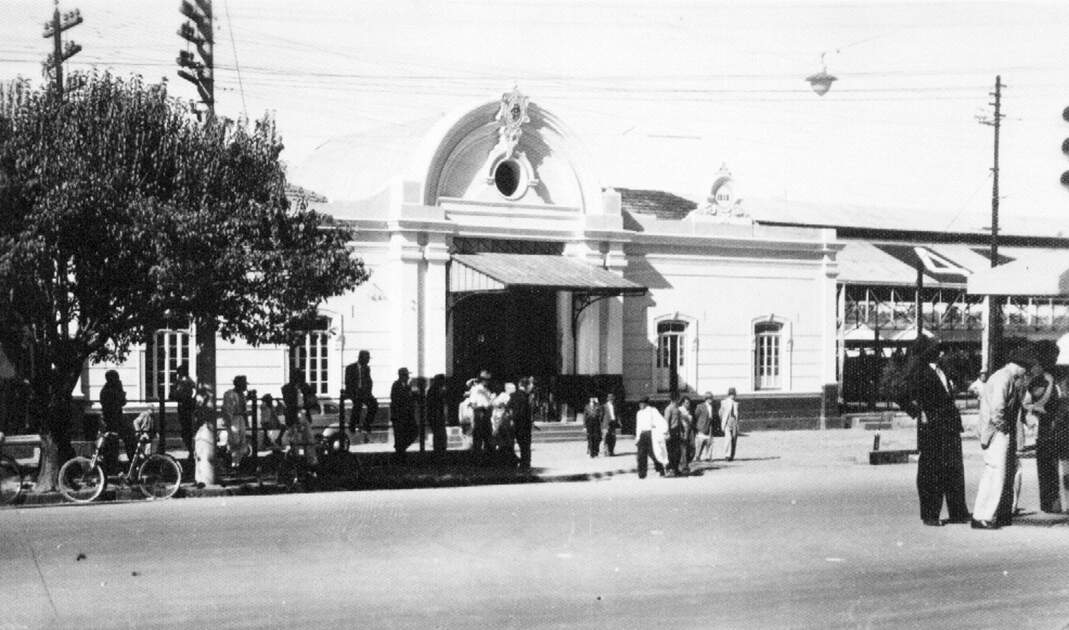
[(198, 31), (1065, 147)]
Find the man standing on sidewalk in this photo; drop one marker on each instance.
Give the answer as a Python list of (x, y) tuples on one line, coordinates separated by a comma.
[(703, 421), (402, 415), (940, 472), (183, 391), (520, 406), (592, 422), (1003, 392), (609, 423), (358, 387)]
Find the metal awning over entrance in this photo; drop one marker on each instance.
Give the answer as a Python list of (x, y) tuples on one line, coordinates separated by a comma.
[(487, 272)]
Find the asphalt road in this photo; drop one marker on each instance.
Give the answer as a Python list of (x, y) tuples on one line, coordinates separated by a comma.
[(752, 544)]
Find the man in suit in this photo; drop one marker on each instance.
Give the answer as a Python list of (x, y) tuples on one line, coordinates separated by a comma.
[(402, 415), (678, 418), (520, 406), (1002, 393), (592, 422), (940, 472), (609, 424), (358, 387), (704, 415)]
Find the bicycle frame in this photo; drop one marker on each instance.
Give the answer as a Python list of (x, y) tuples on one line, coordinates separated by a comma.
[(139, 453)]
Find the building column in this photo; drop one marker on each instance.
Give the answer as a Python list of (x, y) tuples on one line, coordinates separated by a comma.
[(405, 257), (433, 332), (829, 271)]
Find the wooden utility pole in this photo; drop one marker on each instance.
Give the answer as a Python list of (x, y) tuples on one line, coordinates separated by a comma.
[(199, 70), (59, 54), (993, 312)]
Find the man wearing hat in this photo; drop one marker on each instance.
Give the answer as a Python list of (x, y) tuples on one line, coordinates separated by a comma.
[(940, 472), (482, 402), (402, 414), (1003, 393), (704, 415)]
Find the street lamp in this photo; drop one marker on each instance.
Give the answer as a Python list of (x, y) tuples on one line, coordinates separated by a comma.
[(821, 81)]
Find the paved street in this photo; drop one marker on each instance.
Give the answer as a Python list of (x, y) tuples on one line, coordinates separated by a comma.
[(786, 536)]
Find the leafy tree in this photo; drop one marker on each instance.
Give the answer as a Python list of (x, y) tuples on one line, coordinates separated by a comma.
[(117, 206)]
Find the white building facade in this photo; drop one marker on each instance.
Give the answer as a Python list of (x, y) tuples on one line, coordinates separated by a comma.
[(492, 245)]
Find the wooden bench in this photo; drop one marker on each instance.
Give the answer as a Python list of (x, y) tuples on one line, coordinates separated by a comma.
[(24, 446)]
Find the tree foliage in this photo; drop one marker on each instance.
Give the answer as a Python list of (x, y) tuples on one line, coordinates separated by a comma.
[(117, 205)]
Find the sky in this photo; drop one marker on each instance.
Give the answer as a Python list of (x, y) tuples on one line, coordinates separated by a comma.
[(661, 93)]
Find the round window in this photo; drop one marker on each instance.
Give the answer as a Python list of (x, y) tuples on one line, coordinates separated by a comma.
[(507, 176)]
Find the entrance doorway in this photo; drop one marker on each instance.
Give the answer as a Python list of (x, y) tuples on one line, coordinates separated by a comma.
[(512, 334)]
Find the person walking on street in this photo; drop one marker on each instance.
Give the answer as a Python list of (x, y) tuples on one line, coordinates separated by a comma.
[(592, 423), (704, 415), (1003, 393), (729, 423), (520, 406), (112, 400), (358, 387), (183, 392), (402, 415), (647, 420), (940, 471), (609, 423)]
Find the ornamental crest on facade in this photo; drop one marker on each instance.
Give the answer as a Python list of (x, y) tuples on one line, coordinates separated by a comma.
[(511, 116), (722, 201)]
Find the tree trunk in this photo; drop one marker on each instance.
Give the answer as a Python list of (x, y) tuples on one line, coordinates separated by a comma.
[(56, 448)]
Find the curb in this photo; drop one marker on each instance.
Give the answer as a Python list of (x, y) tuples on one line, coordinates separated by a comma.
[(254, 488)]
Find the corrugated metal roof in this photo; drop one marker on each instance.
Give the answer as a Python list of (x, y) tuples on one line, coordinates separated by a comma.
[(534, 271), (862, 262)]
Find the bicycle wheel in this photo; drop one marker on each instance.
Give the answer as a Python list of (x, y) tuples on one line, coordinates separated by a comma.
[(10, 481), (159, 476), (81, 481)]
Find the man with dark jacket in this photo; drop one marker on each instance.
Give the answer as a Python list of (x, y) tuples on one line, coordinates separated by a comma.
[(358, 389), (520, 406), (592, 422), (609, 423), (402, 414), (940, 472)]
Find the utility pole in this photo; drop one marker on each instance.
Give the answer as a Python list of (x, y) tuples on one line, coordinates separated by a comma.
[(197, 30), (59, 54), (199, 70), (993, 311)]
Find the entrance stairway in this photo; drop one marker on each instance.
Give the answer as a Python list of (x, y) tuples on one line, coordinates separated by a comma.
[(558, 432)]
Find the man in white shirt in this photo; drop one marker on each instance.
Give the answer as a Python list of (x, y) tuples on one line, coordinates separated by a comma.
[(647, 420), (609, 423), (1003, 392)]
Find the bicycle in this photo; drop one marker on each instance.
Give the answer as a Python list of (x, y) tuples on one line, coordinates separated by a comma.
[(10, 478), (157, 475)]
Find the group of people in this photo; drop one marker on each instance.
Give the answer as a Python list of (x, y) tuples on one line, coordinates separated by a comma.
[(498, 422), (682, 435), (1029, 392)]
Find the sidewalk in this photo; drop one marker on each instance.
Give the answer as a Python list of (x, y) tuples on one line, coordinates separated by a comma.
[(567, 461)]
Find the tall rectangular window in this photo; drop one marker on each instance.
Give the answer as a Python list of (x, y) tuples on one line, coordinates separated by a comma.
[(671, 336), (310, 356), (164, 353), (767, 355)]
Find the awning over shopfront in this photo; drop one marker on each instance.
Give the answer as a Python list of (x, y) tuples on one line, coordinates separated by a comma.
[(1035, 274), (485, 272)]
